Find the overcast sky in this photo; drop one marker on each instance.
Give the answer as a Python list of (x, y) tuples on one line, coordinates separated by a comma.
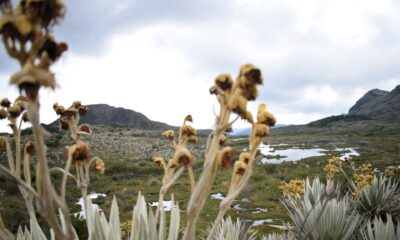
[(160, 57)]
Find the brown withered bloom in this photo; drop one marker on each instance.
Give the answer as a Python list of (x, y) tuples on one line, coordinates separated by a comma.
[(69, 112), (251, 73), (53, 49), (5, 103), (3, 113), (20, 103), (30, 78), (245, 157), (260, 130), (83, 110), (79, 153), (188, 118), (99, 166), (25, 117), (187, 131), (224, 81), (238, 104), (76, 105), (14, 111), (85, 128), (192, 139), (225, 157), (265, 117), (30, 148), (229, 129), (222, 140), (63, 125), (240, 168), (183, 157), (169, 134), (46, 12), (249, 91), (58, 109), (15, 26), (213, 90), (159, 161)]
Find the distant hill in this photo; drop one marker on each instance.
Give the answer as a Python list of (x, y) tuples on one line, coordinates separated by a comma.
[(375, 111), (378, 104), (103, 114)]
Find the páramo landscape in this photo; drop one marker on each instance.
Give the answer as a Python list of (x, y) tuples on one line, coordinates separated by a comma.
[(97, 171)]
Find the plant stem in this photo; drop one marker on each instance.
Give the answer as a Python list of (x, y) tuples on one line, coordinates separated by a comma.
[(45, 200)]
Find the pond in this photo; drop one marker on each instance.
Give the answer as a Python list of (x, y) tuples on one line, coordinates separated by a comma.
[(92, 195), (166, 204), (294, 154)]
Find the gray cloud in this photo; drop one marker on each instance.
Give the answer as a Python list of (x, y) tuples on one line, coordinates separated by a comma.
[(298, 47)]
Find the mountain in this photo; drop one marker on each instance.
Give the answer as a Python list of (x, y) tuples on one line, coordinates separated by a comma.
[(103, 114), (378, 104), (375, 111)]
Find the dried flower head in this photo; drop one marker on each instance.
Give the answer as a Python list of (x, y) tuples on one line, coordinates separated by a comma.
[(25, 117), (99, 166), (251, 73), (3, 113), (266, 118), (188, 118), (224, 82), (293, 189), (225, 157), (20, 103), (15, 26), (213, 90), (30, 78), (239, 168), (3, 143), (192, 139), (169, 134), (391, 170), (260, 130), (5, 103), (229, 129), (63, 125), (53, 49), (159, 161), (14, 111), (245, 157), (183, 157), (83, 110), (79, 152), (249, 91), (187, 131), (58, 109), (76, 105), (47, 13), (30, 148), (222, 140), (85, 128), (238, 104)]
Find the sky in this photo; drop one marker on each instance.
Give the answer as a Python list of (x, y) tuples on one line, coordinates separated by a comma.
[(160, 57)]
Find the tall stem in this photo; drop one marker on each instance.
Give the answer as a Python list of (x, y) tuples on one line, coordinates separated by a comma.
[(45, 200)]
